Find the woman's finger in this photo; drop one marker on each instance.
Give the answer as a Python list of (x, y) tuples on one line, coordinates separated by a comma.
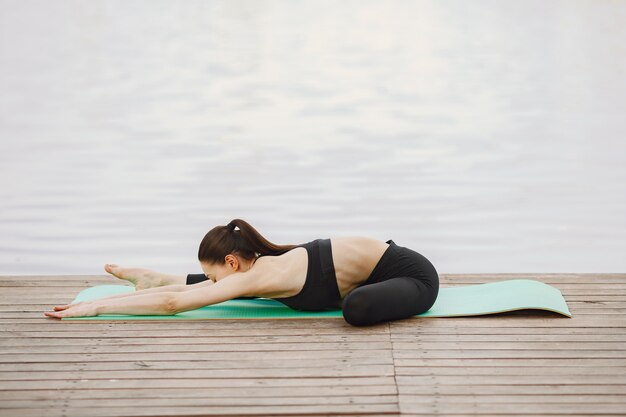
[(63, 307), (83, 309)]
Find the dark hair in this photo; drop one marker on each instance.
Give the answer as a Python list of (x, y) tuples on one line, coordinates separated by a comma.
[(245, 242)]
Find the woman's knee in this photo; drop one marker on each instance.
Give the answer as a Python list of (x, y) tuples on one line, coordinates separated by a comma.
[(356, 308)]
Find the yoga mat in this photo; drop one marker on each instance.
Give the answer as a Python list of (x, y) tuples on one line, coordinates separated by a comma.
[(469, 300)]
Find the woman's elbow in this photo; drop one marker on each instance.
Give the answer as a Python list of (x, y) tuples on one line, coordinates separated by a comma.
[(171, 304)]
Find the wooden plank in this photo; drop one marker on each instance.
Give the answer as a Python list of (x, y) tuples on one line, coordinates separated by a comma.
[(194, 324), (512, 371), (408, 414), (172, 345), (508, 320), (519, 338), (260, 397), (301, 324), (517, 399), (354, 370), (165, 382), (613, 340), (211, 401), (440, 329), (504, 345), (477, 408), (235, 326), (206, 363), (497, 362), (538, 390), (312, 371), (89, 330), (476, 354), (192, 356), (144, 410), (114, 342), (95, 329), (328, 390), (71, 349)]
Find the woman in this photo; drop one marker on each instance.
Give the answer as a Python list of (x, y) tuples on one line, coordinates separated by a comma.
[(371, 281)]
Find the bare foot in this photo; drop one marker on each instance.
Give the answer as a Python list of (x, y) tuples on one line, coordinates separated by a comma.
[(142, 278)]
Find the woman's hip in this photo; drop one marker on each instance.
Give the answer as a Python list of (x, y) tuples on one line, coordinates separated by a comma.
[(401, 261)]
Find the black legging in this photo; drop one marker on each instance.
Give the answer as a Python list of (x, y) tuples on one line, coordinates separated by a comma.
[(403, 284), (393, 299)]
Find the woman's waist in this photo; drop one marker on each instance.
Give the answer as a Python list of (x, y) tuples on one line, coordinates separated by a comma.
[(400, 261)]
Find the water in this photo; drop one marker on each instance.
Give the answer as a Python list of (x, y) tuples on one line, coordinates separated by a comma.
[(486, 135)]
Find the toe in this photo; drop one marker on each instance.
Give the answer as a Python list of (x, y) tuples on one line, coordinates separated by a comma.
[(115, 270)]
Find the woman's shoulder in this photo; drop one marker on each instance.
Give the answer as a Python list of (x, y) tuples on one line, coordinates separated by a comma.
[(276, 274)]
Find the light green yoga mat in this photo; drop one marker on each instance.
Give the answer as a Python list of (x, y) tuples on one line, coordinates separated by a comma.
[(469, 300)]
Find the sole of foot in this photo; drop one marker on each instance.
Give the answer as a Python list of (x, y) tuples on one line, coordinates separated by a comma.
[(139, 277)]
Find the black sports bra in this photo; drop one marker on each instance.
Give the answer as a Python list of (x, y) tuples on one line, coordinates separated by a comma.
[(320, 290)]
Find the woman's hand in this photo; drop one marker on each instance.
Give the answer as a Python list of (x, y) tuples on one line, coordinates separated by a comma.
[(82, 309), (159, 303)]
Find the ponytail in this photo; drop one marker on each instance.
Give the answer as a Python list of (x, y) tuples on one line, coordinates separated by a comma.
[(246, 242)]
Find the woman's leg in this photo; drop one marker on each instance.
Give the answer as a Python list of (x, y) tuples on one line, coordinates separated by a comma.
[(393, 299), (195, 278), (144, 278)]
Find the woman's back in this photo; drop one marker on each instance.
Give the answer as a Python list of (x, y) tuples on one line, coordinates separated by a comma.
[(354, 259)]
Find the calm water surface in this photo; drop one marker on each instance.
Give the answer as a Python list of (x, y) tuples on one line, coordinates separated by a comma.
[(488, 136)]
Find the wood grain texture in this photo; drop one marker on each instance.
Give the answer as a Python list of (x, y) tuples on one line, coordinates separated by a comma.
[(519, 363)]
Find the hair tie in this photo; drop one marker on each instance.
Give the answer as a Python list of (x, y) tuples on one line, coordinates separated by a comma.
[(232, 226)]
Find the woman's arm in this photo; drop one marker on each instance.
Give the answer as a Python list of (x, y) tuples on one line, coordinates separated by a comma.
[(154, 290), (160, 303), (167, 303), (156, 303), (238, 284)]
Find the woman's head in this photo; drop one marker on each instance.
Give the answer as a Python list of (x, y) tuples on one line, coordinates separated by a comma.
[(224, 250)]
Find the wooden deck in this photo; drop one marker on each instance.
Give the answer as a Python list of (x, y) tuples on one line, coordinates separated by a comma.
[(518, 363)]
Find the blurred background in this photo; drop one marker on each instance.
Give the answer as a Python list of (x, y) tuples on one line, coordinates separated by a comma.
[(489, 136)]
